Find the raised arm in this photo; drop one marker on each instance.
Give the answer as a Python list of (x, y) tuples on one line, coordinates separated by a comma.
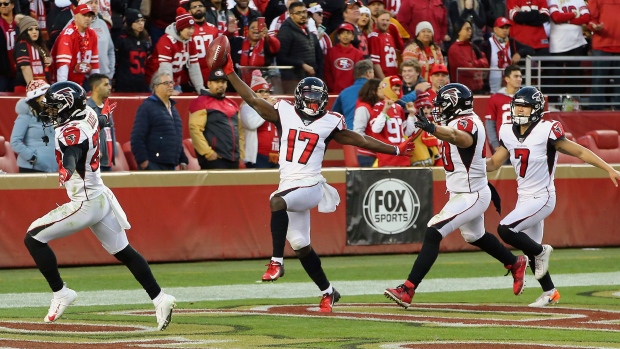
[(262, 107), (349, 137), (451, 135), (571, 148)]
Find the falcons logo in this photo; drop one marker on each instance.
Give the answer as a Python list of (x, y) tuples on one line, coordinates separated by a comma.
[(66, 95), (538, 97), (451, 95)]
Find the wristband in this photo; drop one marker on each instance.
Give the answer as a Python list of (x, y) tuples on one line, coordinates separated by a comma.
[(396, 150)]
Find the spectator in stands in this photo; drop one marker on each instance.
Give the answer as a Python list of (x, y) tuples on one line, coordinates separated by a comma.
[(433, 11), (346, 101), (365, 26), (498, 107), (388, 122), (472, 11), (299, 48), (162, 13), (351, 13), (340, 60), (204, 33), (274, 9), (7, 40), (223, 16), (38, 10), (529, 17), (101, 87), (33, 143), (316, 12), (411, 73), (370, 94), (215, 126), (376, 7), (243, 14), (438, 78), (605, 43), (176, 55), (76, 54), (423, 49), (502, 51), (382, 47), (132, 49), (463, 54), (157, 133), (257, 49), (105, 46), (31, 55), (275, 25), (262, 144), (425, 143)]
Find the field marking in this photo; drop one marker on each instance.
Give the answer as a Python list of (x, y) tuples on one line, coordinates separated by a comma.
[(287, 290)]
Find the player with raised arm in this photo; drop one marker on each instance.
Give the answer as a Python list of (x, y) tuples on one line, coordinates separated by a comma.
[(305, 128), (92, 205), (531, 144), (463, 139)]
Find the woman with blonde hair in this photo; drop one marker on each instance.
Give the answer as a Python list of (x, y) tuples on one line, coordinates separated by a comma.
[(423, 49)]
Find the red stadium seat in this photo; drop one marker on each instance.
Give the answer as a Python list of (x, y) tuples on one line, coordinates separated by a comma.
[(131, 161), (188, 148), (350, 156), (567, 159), (604, 143), (8, 162), (120, 162)]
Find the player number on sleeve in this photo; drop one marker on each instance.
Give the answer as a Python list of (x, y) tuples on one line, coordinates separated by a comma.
[(311, 140)]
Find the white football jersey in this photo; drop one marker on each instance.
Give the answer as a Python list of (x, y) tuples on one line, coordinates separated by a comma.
[(533, 155), (466, 168), (565, 36), (85, 183), (303, 141)]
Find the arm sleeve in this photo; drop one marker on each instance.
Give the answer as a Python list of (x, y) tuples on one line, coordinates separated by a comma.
[(286, 45), (409, 126), (378, 122), (492, 136), (274, 44), (531, 18), (522, 49), (22, 58), (250, 118), (197, 122), (111, 58), (70, 157), (17, 138), (360, 121), (195, 75), (165, 67), (480, 17), (241, 141), (562, 17), (583, 19), (139, 134), (62, 74)]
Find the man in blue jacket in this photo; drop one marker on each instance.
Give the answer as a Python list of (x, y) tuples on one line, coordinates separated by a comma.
[(345, 103), (157, 133)]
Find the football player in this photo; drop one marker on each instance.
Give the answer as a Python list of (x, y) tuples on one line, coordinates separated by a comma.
[(92, 205), (531, 144), (463, 139), (305, 128)]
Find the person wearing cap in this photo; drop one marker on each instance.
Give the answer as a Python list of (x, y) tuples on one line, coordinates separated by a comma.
[(132, 49), (423, 49), (438, 78), (256, 50), (340, 60), (473, 11), (262, 144), (433, 11), (243, 13), (33, 143), (215, 126), (176, 54), (388, 122), (350, 14), (316, 12), (76, 54), (365, 25), (462, 54), (502, 51), (32, 57), (394, 28)]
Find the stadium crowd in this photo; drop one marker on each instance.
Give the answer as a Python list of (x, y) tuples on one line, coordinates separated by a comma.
[(413, 47)]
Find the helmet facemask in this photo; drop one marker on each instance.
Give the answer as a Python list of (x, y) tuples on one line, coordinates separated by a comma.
[(311, 102), (520, 119), (311, 97)]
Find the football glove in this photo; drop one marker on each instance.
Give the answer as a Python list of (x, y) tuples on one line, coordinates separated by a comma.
[(107, 109), (424, 123), (406, 147), (63, 176), (229, 67)]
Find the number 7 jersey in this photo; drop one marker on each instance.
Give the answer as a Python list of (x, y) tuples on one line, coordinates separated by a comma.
[(85, 183), (533, 155), (303, 141)]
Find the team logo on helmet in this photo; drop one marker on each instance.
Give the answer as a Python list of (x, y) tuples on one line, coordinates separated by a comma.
[(65, 94), (451, 95), (538, 97)]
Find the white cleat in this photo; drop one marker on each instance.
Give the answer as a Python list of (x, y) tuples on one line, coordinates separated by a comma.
[(546, 299), (541, 266), (59, 305), (163, 311)]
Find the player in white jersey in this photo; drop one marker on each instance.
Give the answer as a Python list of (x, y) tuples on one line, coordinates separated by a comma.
[(470, 194), (532, 144), (305, 129), (92, 204)]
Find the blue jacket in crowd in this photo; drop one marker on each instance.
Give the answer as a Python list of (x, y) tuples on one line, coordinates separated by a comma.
[(345, 103)]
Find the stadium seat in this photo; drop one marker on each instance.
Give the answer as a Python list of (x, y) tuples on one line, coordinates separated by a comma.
[(120, 162), (350, 156), (567, 159), (188, 148), (604, 143), (8, 162), (131, 161)]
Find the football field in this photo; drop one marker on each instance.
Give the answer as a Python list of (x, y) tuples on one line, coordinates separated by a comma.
[(465, 302)]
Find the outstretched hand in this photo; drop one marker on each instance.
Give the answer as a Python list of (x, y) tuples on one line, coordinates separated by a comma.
[(615, 177), (424, 123), (63, 176), (108, 109), (406, 147)]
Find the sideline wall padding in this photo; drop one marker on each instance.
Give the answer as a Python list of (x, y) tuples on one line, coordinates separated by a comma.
[(202, 215)]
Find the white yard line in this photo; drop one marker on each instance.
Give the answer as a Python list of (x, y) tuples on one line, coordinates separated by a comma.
[(283, 289)]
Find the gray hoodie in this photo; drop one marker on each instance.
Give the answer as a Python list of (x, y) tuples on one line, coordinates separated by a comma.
[(195, 75), (27, 141)]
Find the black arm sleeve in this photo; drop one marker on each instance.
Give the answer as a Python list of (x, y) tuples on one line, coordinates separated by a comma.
[(70, 157), (532, 18)]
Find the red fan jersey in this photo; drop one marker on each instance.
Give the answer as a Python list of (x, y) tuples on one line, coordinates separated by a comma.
[(173, 51), (338, 69), (498, 109), (392, 133), (533, 36), (382, 50), (268, 140), (9, 32), (67, 51), (204, 33)]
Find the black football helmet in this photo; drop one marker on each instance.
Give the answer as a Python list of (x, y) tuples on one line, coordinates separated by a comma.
[(528, 96), (62, 102), (311, 96), (452, 100)]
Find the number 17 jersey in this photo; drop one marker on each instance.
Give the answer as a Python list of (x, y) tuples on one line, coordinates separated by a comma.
[(303, 141)]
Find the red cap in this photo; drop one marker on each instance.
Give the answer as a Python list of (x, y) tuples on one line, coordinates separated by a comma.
[(371, 1), (395, 81), (439, 68), (502, 21), (346, 26), (423, 100), (83, 9)]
